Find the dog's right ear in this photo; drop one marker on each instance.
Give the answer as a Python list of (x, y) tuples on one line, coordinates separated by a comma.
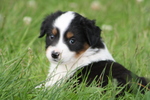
[(47, 23), (43, 28)]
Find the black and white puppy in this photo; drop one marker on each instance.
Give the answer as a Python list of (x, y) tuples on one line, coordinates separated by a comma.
[(73, 43)]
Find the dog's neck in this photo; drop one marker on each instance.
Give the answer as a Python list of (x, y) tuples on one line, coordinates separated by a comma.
[(95, 55), (59, 71)]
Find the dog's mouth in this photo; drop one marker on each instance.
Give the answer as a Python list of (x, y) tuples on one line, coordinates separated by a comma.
[(57, 61)]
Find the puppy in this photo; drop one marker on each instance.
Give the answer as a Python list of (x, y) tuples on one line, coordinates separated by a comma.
[(75, 48)]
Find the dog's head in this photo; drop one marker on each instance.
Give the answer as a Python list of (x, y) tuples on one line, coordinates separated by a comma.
[(69, 35)]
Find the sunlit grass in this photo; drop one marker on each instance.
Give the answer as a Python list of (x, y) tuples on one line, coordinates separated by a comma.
[(23, 64)]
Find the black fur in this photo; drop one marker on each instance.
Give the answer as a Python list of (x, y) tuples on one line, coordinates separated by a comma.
[(88, 29), (102, 71)]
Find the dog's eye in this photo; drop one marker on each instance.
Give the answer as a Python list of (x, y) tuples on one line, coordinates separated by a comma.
[(51, 37), (72, 41)]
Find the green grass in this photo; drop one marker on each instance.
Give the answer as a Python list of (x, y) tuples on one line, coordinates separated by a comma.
[(23, 64)]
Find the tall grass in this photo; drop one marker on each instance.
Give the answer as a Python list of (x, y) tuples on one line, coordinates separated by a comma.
[(23, 64)]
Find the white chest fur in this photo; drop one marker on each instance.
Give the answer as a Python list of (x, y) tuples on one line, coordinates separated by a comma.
[(59, 73)]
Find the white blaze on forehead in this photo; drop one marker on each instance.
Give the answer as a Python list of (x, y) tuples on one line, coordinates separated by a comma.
[(63, 21)]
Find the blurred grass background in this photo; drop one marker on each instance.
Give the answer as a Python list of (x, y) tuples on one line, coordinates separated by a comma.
[(23, 64)]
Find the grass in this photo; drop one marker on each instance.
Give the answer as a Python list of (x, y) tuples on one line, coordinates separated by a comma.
[(23, 64)]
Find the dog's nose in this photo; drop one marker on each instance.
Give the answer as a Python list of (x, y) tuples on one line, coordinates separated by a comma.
[(55, 54)]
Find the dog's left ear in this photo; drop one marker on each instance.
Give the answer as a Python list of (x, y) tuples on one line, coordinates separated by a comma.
[(93, 33)]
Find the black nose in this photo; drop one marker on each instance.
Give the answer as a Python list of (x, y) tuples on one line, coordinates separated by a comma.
[(55, 54)]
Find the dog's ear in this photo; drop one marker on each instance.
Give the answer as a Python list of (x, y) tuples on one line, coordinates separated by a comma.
[(47, 23), (92, 32), (43, 28)]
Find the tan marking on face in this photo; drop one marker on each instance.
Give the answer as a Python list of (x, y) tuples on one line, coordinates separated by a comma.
[(86, 46), (54, 31), (69, 35)]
